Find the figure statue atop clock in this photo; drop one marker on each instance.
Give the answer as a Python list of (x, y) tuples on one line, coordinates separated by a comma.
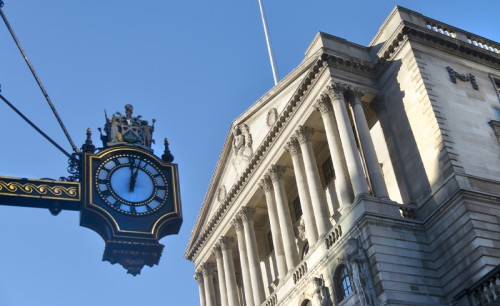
[(127, 129)]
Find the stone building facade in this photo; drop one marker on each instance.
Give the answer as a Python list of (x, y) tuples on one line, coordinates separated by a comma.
[(367, 176)]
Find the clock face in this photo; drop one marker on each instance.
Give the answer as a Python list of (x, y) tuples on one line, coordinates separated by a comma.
[(131, 184)]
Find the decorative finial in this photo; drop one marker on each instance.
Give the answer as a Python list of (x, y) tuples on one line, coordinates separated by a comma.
[(167, 156), (88, 147)]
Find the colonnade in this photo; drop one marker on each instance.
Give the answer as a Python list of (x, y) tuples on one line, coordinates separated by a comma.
[(350, 183)]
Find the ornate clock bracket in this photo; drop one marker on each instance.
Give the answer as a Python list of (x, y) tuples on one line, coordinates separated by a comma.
[(131, 231)]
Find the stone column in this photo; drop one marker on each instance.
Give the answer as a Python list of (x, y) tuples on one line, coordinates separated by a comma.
[(318, 199), (208, 269), (365, 140), (246, 215), (404, 179), (356, 173), (267, 187), (226, 244), (276, 173), (198, 276), (245, 271), (293, 148), (342, 180), (220, 273)]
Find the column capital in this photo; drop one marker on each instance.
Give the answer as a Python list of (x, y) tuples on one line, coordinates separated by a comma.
[(266, 184), (304, 133), (237, 224), (217, 251), (226, 243), (246, 213), (207, 269), (323, 104), (336, 90), (293, 146), (355, 94), (198, 276), (276, 172)]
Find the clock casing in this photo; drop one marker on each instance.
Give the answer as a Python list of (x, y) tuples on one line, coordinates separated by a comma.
[(131, 199)]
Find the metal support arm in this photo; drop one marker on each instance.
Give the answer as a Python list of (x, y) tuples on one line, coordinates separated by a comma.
[(51, 194)]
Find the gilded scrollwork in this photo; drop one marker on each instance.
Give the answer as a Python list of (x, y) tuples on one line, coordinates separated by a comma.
[(38, 189)]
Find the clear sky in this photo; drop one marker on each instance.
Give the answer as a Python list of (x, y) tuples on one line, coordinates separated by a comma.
[(194, 66)]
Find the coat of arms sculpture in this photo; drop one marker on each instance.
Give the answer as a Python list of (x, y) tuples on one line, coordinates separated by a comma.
[(127, 129)]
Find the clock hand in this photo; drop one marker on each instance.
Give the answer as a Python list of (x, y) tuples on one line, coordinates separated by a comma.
[(134, 177)]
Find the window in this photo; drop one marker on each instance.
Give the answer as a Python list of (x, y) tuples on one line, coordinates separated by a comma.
[(497, 85), (306, 303), (328, 172), (305, 250), (270, 241), (297, 208), (343, 283)]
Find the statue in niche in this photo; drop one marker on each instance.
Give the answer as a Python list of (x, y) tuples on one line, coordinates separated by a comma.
[(357, 263), (127, 130), (242, 147), (321, 296)]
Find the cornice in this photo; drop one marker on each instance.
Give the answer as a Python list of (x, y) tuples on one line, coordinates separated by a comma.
[(197, 241), (436, 40), (351, 64)]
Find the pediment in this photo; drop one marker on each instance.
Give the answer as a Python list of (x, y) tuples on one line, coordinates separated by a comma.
[(248, 137)]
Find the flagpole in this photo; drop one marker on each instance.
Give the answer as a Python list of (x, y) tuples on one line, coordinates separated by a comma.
[(268, 41)]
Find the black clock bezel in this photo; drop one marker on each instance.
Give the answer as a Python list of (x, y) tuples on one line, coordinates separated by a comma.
[(118, 200)]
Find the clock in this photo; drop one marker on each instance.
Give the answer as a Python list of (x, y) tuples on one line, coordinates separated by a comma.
[(131, 184), (131, 198)]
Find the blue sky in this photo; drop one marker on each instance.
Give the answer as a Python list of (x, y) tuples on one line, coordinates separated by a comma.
[(194, 66)]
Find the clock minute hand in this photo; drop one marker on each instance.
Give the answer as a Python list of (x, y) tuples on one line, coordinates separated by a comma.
[(133, 177)]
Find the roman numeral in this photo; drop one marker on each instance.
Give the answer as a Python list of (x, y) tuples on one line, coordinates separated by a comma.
[(118, 162), (157, 198), (102, 181), (161, 187), (132, 209), (106, 192)]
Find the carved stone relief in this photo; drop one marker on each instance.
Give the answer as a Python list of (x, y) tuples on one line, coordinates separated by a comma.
[(357, 263), (468, 77), (221, 193), (242, 147), (272, 116), (321, 295)]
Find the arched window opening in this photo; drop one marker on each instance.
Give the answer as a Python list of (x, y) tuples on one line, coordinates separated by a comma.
[(343, 283), (306, 303)]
